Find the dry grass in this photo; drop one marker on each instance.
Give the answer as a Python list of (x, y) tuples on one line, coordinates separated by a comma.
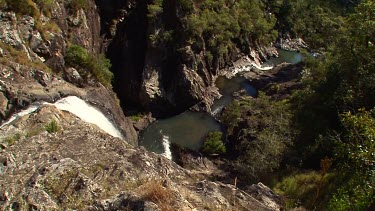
[(20, 57), (44, 30), (164, 197)]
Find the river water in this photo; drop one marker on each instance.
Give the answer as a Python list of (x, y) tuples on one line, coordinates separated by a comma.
[(190, 128)]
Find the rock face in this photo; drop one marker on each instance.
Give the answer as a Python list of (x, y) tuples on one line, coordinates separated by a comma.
[(150, 73), (32, 56), (78, 166)]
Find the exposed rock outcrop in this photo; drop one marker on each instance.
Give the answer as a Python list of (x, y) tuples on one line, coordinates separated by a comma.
[(32, 56)]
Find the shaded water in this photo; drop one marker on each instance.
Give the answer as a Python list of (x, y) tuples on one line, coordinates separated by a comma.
[(190, 128), (186, 130), (227, 87), (284, 56)]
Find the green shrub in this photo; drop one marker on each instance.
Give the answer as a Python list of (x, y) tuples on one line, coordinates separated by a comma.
[(259, 131), (155, 9), (78, 57), (213, 143), (52, 127), (309, 189)]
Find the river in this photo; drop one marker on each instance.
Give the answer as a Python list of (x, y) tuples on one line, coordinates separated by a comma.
[(190, 128)]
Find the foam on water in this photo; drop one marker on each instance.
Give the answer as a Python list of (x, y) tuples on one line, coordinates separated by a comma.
[(88, 114), (20, 114), (77, 107), (167, 146)]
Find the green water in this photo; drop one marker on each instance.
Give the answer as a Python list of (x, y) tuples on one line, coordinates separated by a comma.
[(186, 130), (284, 56)]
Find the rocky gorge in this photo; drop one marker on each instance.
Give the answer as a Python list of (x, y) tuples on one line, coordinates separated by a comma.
[(52, 160)]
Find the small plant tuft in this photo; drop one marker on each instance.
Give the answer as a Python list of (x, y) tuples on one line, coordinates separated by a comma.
[(11, 140), (162, 196), (52, 127)]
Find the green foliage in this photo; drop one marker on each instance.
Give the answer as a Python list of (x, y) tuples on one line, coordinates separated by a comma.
[(155, 8), (356, 153), (316, 21), (225, 24), (213, 143), (259, 132), (340, 83), (137, 117), (302, 188), (52, 127), (78, 57)]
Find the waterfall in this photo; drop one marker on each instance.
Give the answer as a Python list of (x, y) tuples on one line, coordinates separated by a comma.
[(167, 146), (20, 114), (88, 114), (77, 107)]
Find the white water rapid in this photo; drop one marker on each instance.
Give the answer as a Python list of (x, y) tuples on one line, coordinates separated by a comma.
[(167, 146), (20, 114), (77, 107), (88, 114)]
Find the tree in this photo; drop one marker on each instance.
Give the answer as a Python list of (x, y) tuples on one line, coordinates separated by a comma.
[(356, 153), (259, 133)]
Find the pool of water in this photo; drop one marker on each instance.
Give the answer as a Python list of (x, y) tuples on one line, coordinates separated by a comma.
[(227, 87), (186, 130), (284, 56), (189, 129)]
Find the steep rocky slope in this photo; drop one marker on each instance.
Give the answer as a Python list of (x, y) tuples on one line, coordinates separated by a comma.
[(76, 165)]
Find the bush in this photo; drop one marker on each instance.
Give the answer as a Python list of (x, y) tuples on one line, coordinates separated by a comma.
[(259, 131), (155, 9), (214, 144), (79, 58)]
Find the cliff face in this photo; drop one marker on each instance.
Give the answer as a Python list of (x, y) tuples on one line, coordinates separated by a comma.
[(32, 47), (155, 66)]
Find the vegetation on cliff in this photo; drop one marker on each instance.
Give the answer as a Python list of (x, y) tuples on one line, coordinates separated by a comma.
[(86, 63)]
